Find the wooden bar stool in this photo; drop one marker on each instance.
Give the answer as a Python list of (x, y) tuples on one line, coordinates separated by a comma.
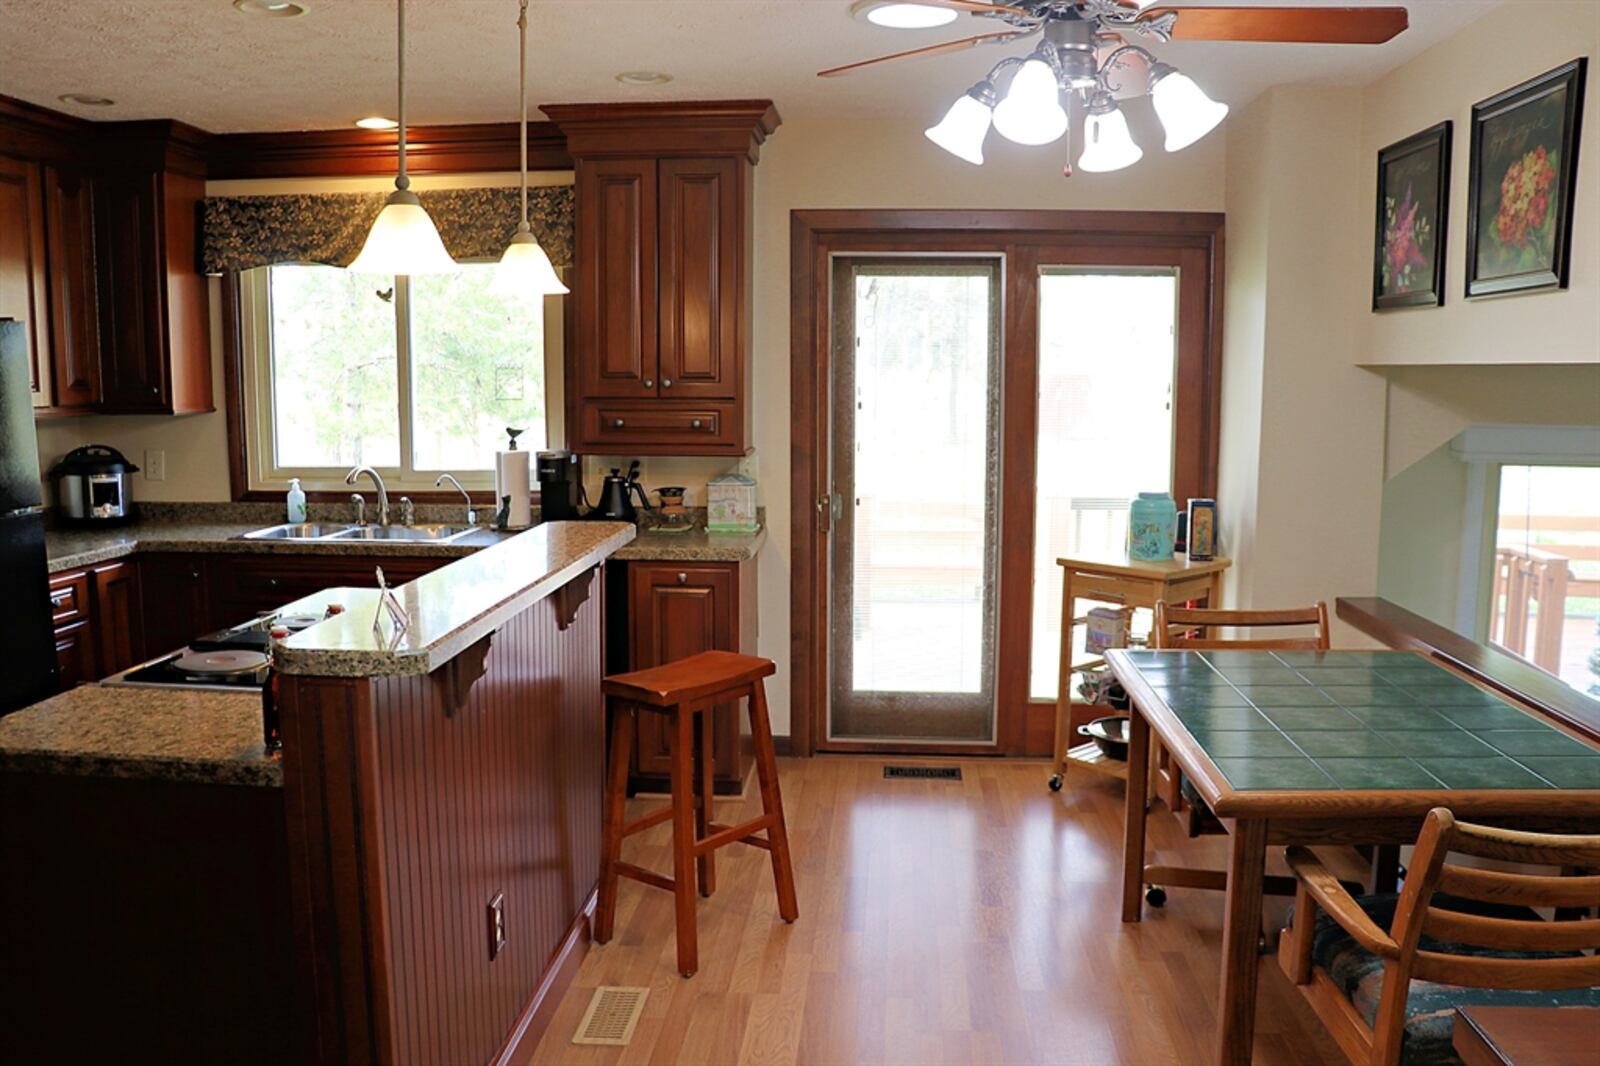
[(686, 691)]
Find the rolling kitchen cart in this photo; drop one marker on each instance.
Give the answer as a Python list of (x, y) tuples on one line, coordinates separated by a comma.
[(1128, 583)]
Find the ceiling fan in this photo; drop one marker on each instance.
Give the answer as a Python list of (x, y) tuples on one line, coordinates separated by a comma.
[(1084, 44)]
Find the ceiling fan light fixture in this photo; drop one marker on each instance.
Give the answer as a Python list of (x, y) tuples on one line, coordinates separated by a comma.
[(1186, 113), (1107, 144), (962, 130), (1031, 113), (894, 15)]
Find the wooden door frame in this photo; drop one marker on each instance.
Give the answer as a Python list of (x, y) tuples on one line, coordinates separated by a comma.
[(815, 236)]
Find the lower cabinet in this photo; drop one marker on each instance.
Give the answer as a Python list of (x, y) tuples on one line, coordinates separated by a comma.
[(96, 612), (672, 610), (75, 654)]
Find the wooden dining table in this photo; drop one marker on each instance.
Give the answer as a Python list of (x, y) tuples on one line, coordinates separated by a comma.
[(1333, 747)]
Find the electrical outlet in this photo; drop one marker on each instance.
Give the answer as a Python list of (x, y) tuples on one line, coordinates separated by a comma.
[(497, 924), (155, 464)]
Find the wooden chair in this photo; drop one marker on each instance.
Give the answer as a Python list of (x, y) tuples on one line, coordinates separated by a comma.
[(1455, 936), (1196, 628), (685, 692)]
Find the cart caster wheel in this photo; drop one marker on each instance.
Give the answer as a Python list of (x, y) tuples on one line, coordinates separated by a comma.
[(1055, 782), (1155, 895)]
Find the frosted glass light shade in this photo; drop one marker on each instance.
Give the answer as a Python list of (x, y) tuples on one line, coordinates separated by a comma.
[(1107, 144), (1186, 113), (403, 240), (525, 270), (1032, 113), (962, 130)]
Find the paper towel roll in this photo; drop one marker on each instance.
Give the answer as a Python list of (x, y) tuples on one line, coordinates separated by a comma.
[(511, 478)]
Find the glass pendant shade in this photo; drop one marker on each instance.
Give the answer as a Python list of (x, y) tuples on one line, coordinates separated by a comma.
[(1186, 113), (1107, 145), (1032, 113), (525, 270), (403, 240), (962, 130)]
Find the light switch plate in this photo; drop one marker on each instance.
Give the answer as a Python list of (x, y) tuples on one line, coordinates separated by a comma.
[(155, 464)]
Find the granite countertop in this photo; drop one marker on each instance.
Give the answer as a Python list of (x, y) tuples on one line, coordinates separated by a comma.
[(172, 734), (73, 549), (451, 608), (696, 546)]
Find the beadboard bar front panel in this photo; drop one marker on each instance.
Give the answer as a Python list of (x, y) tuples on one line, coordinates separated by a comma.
[(472, 790)]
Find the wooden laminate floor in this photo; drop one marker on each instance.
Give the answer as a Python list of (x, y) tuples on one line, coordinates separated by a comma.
[(940, 923)]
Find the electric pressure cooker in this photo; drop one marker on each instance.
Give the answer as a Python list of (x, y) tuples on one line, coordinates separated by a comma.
[(94, 485)]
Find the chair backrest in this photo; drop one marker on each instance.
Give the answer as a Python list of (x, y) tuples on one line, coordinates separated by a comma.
[(1561, 965), (1174, 625)]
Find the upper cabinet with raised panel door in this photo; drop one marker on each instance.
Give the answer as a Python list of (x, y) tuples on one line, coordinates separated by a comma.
[(23, 286), (98, 230), (661, 364)]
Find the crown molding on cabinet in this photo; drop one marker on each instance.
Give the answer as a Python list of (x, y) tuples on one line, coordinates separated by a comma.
[(666, 127)]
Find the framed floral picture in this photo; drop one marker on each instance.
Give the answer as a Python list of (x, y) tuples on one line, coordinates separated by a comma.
[(1413, 218), (1521, 184)]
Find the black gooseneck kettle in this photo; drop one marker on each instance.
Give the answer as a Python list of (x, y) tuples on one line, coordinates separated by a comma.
[(616, 496)]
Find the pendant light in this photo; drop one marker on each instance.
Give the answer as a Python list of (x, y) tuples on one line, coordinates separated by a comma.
[(525, 269), (403, 239)]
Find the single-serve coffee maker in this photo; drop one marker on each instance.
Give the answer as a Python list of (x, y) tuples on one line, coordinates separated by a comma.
[(560, 476)]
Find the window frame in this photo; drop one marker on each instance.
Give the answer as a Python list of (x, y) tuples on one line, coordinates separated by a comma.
[(256, 455)]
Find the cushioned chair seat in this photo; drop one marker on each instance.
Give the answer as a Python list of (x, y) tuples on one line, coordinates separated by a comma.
[(1430, 1007)]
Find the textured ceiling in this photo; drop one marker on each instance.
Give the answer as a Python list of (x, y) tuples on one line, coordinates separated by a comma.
[(205, 63)]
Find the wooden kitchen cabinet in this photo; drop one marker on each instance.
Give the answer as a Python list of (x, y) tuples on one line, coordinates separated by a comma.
[(118, 616), (75, 658), (155, 348), (73, 296), (175, 606), (661, 296), (674, 610), (23, 284)]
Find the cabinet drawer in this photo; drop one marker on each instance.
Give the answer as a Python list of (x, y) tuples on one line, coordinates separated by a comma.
[(69, 597), (656, 423)]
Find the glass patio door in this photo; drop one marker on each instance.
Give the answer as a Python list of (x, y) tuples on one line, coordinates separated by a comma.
[(914, 539)]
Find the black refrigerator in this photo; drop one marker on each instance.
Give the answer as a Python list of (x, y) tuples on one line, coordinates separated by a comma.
[(27, 639)]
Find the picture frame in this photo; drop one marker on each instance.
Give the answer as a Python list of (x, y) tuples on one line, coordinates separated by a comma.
[(1522, 184), (1413, 220)]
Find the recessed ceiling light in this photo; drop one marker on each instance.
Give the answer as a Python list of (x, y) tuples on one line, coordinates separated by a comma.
[(903, 16), (376, 122), (276, 9), (85, 99), (643, 77)]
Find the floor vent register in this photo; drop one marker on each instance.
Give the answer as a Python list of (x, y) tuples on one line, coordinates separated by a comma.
[(927, 773), (612, 1015)]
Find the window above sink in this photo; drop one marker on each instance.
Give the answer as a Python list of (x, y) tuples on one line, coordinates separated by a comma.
[(415, 377)]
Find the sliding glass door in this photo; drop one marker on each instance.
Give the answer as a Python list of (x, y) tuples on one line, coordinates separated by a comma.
[(915, 458)]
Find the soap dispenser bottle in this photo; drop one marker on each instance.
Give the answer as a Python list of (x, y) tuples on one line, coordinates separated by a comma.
[(297, 502)]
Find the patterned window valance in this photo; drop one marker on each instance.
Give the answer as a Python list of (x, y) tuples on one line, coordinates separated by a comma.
[(241, 232)]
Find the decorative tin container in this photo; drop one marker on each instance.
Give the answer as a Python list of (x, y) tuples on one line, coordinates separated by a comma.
[(731, 504), (1152, 527), (1202, 529)]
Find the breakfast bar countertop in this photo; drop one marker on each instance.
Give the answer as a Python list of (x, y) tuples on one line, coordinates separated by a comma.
[(451, 608)]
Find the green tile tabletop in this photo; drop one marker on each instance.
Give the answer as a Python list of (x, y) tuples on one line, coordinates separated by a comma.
[(1365, 720)]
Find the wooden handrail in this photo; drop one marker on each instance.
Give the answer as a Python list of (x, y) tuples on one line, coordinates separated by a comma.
[(1523, 682)]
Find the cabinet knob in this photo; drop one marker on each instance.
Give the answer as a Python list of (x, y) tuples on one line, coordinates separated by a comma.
[(683, 579), (694, 423), (616, 423), (666, 383), (649, 383), (194, 575), (272, 582)]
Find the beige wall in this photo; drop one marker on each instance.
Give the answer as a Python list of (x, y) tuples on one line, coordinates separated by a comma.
[(1301, 469), (1443, 83)]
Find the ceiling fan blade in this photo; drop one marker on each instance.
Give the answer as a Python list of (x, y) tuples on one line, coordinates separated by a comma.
[(929, 50), (1299, 25)]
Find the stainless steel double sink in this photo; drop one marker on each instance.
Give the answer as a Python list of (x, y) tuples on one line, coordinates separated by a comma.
[(422, 533)]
